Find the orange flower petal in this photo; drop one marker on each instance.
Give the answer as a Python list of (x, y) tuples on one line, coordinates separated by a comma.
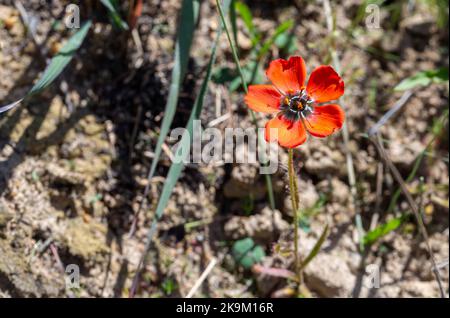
[(288, 134), (325, 84), (288, 76), (325, 120), (263, 98)]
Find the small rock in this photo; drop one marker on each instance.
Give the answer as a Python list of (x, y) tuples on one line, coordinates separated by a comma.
[(264, 227), (338, 190), (60, 175), (419, 289), (267, 283), (329, 276)]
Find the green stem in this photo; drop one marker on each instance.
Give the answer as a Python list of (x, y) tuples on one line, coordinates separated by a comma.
[(295, 210)]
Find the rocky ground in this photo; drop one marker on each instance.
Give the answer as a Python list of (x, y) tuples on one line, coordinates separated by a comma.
[(74, 160)]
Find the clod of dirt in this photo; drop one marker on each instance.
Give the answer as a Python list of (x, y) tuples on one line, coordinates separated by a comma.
[(84, 239), (61, 175), (329, 276), (404, 156), (267, 283), (5, 215), (245, 181), (419, 25), (338, 191), (14, 273), (322, 160), (264, 227)]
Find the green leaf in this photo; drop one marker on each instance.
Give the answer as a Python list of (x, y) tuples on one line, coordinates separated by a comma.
[(253, 74), (316, 248), (233, 19), (186, 140), (252, 71), (246, 253), (244, 84), (189, 15), (281, 29), (287, 42), (423, 78), (56, 66), (247, 18), (224, 75), (114, 14), (383, 229), (305, 224), (169, 286)]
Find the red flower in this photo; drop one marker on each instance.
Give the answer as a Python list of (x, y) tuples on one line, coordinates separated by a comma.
[(295, 104)]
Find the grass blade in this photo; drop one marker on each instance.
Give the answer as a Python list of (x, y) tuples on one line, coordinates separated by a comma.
[(247, 18), (177, 167), (115, 16), (189, 15), (316, 248), (244, 84), (281, 29), (351, 175), (56, 66), (383, 229), (423, 78), (233, 19)]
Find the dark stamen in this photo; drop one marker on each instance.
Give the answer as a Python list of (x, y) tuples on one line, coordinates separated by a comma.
[(295, 106)]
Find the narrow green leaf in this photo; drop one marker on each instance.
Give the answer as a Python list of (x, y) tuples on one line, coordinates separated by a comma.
[(281, 29), (247, 18), (244, 84), (233, 19), (224, 74), (114, 14), (56, 66), (316, 248), (287, 42), (189, 15), (383, 229), (186, 140), (253, 74), (423, 78)]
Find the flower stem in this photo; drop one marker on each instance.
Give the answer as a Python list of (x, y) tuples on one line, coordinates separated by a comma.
[(295, 209)]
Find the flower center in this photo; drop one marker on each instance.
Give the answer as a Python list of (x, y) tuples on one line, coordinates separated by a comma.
[(296, 106)]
